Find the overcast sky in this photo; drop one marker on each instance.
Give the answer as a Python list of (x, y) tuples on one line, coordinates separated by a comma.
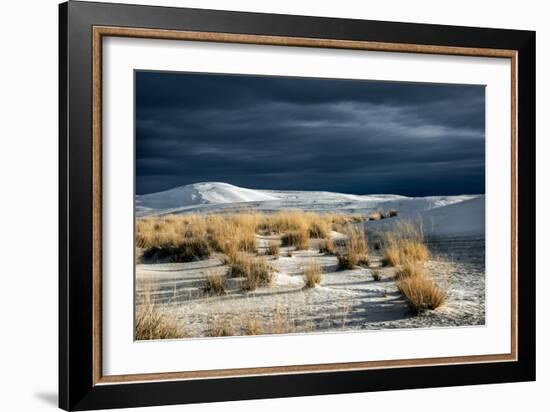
[(349, 136)]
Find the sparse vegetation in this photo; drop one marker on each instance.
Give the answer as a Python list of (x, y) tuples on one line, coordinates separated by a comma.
[(220, 326), (297, 238), (355, 249), (152, 322), (215, 282), (410, 269), (421, 293), (312, 275), (376, 275), (405, 243), (273, 248), (239, 264), (233, 232), (318, 228), (252, 325), (258, 273), (186, 250), (184, 238), (233, 238), (282, 322), (327, 246)]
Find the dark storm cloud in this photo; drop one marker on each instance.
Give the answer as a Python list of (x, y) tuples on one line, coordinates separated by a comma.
[(309, 134)]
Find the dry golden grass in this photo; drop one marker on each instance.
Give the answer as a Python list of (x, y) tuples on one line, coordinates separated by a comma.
[(233, 232), (297, 238), (284, 221), (421, 293), (391, 256), (152, 322), (409, 269), (376, 275), (327, 246), (239, 264), (220, 326), (405, 243), (342, 220), (176, 238), (355, 249), (185, 250), (192, 237), (260, 274), (151, 232), (255, 270), (347, 261), (317, 225), (252, 325), (273, 248), (312, 275), (215, 282), (282, 322), (319, 228), (357, 240)]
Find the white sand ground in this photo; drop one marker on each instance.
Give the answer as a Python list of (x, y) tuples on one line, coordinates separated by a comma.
[(345, 300)]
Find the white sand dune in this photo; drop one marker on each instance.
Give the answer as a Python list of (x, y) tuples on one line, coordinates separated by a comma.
[(463, 214), (200, 194), (466, 217)]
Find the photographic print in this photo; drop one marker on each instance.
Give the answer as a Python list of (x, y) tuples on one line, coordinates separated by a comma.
[(273, 205)]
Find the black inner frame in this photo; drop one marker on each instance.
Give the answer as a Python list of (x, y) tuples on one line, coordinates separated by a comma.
[(76, 388)]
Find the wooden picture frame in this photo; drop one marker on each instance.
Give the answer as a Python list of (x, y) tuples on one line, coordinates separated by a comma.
[(83, 26)]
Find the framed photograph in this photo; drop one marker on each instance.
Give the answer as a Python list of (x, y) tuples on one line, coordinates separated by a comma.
[(256, 205)]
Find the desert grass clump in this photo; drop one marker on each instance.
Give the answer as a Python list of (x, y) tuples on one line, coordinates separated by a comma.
[(152, 322), (405, 243), (312, 275), (319, 228), (273, 248), (327, 246), (347, 261), (220, 326), (405, 250), (156, 231), (183, 250), (297, 238), (376, 275), (258, 273), (357, 240), (391, 256), (282, 322), (284, 221), (421, 293), (239, 264), (252, 325), (410, 269), (355, 249), (215, 282), (231, 233)]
